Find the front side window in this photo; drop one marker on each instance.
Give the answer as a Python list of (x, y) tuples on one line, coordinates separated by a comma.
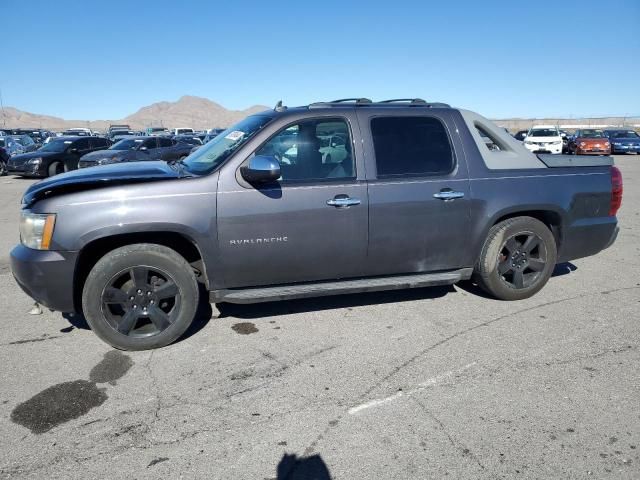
[(165, 142), (150, 143), (308, 151), (411, 146)]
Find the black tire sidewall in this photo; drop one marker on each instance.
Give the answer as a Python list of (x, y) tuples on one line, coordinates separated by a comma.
[(489, 278), (140, 254), (53, 168)]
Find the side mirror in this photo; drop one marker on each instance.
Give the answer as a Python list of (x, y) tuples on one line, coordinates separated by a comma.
[(261, 169)]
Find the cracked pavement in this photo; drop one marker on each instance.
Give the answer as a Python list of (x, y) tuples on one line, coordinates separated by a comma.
[(405, 384)]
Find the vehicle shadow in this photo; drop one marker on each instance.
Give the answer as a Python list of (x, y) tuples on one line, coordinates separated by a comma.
[(305, 468), (471, 287), (202, 317), (274, 309)]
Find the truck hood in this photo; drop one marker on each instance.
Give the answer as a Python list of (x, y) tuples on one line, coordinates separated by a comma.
[(101, 177)]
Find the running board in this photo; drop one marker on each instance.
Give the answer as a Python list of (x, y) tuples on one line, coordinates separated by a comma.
[(340, 287)]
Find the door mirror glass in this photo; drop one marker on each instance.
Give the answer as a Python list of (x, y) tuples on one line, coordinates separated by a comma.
[(143, 149), (261, 169)]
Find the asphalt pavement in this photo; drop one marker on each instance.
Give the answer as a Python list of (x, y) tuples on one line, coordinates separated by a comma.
[(428, 383)]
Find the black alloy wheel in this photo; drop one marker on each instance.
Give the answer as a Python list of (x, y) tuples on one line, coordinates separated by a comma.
[(141, 301), (521, 260)]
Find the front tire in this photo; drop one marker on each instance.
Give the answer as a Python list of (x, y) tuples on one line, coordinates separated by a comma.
[(55, 168), (140, 297), (517, 259)]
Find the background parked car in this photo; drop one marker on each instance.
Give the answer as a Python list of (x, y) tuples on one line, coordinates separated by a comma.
[(26, 141), (544, 139), (623, 141), (138, 149), (190, 139), (4, 158), (589, 141), (59, 155), (11, 146), (212, 133), (38, 135), (520, 135), (79, 132)]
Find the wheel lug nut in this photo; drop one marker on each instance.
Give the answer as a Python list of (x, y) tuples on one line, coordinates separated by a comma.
[(151, 302), (139, 291), (149, 294), (131, 298), (135, 306)]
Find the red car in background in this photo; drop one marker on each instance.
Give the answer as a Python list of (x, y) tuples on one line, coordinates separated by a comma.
[(589, 141)]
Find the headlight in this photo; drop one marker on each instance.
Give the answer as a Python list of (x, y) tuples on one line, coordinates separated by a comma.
[(36, 230), (583, 144), (106, 161), (35, 161)]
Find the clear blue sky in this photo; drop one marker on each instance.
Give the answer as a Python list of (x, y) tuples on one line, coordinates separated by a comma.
[(105, 59)]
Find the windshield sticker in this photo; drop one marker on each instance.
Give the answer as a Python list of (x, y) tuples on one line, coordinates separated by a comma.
[(235, 135)]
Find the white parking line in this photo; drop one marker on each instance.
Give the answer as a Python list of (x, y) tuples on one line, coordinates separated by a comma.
[(421, 386)]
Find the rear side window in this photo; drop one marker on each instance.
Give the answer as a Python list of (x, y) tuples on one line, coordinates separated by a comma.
[(411, 146), (165, 142)]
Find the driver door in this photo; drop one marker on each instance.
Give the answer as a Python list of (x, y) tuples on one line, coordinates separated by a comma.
[(311, 225)]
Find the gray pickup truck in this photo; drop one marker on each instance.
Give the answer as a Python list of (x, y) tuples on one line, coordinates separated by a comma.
[(330, 198)]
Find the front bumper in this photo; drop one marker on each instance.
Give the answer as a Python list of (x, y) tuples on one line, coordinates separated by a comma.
[(46, 276), (555, 149), (25, 169), (625, 148), (593, 151)]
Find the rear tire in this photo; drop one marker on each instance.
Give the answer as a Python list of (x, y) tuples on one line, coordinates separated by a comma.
[(140, 297), (3, 168), (517, 259), (55, 168)]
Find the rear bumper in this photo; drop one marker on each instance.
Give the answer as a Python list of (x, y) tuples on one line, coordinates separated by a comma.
[(46, 276), (588, 237)]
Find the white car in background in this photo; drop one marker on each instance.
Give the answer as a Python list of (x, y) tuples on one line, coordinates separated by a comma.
[(544, 139)]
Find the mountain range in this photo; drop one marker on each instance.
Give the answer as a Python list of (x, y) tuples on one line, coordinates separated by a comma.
[(188, 111), (201, 113)]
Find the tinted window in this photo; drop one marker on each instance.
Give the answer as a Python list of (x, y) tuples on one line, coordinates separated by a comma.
[(411, 146), (165, 142), (150, 143), (305, 151), (82, 144)]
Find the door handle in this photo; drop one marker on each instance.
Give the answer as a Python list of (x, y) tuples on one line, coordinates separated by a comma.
[(448, 195), (343, 202)]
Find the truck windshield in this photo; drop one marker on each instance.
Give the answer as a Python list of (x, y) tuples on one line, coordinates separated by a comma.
[(210, 156), (544, 132)]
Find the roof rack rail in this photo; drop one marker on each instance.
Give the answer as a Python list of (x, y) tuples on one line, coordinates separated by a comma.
[(358, 101), (355, 101), (412, 101)]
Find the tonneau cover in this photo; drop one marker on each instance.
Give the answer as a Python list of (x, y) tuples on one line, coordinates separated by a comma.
[(556, 161)]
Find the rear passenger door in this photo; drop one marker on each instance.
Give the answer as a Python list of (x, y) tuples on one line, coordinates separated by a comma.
[(152, 152), (167, 149), (418, 193)]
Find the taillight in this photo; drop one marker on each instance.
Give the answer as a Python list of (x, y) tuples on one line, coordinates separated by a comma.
[(616, 191)]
